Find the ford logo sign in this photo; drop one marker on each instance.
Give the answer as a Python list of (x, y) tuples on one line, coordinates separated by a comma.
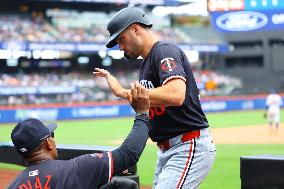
[(241, 21)]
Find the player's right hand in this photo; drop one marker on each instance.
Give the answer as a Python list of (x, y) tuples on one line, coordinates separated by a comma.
[(101, 72), (114, 85), (139, 98)]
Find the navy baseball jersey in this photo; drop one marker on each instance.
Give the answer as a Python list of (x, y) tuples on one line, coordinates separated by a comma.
[(164, 63), (86, 171)]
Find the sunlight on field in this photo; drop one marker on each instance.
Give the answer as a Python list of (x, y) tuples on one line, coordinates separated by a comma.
[(234, 138)]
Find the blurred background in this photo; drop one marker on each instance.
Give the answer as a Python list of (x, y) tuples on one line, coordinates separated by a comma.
[(49, 49), (57, 44)]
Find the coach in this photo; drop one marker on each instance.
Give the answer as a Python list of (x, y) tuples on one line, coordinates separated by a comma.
[(36, 143)]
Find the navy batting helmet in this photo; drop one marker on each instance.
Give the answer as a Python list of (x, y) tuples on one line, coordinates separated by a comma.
[(122, 19)]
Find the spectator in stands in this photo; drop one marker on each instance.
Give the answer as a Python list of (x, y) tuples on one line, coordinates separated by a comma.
[(37, 28), (93, 89)]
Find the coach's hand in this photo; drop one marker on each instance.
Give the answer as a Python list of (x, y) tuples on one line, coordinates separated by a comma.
[(139, 98)]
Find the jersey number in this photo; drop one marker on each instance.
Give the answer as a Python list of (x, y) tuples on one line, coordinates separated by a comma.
[(37, 185), (156, 111)]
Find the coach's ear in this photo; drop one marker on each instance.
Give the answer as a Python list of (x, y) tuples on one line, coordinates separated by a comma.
[(50, 144)]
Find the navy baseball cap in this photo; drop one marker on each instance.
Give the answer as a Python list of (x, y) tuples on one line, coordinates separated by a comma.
[(29, 134)]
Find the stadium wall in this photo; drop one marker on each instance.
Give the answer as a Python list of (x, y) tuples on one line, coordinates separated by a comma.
[(255, 56), (51, 112), (256, 44)]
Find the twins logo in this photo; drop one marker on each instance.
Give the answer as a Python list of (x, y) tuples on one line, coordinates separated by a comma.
[(168, 64)]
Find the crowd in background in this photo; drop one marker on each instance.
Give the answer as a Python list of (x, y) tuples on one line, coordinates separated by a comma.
[(39, 29), (211, 83), (90, 88), (73, 26)]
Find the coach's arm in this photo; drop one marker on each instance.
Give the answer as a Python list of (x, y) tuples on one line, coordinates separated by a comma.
[(131, 149)]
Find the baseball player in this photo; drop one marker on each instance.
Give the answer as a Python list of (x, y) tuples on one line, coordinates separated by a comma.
[(273, 103), (35, 142), (177, 123)]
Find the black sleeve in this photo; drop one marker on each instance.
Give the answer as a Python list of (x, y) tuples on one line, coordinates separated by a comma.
[(93, 169), (168, 63), (131, 149)]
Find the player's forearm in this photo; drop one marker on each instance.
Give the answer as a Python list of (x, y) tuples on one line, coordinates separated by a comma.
[(167, 95), (130, 151), (116, 88)]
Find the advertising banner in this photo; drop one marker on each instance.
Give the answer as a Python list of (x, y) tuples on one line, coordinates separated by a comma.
[(244, 21), (264, 5), (7, 91), (244, 5), (66, 113), (118, 110), (95, 47)]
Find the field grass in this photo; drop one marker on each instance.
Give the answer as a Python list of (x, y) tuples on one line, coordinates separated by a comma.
[(110, 132)]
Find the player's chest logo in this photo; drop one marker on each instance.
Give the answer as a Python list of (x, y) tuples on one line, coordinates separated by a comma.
[(168, 64)]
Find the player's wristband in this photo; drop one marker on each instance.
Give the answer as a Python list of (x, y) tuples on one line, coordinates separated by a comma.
[(143, 114)]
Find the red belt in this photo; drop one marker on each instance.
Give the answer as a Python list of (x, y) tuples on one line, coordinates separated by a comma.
[(165, 145)]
